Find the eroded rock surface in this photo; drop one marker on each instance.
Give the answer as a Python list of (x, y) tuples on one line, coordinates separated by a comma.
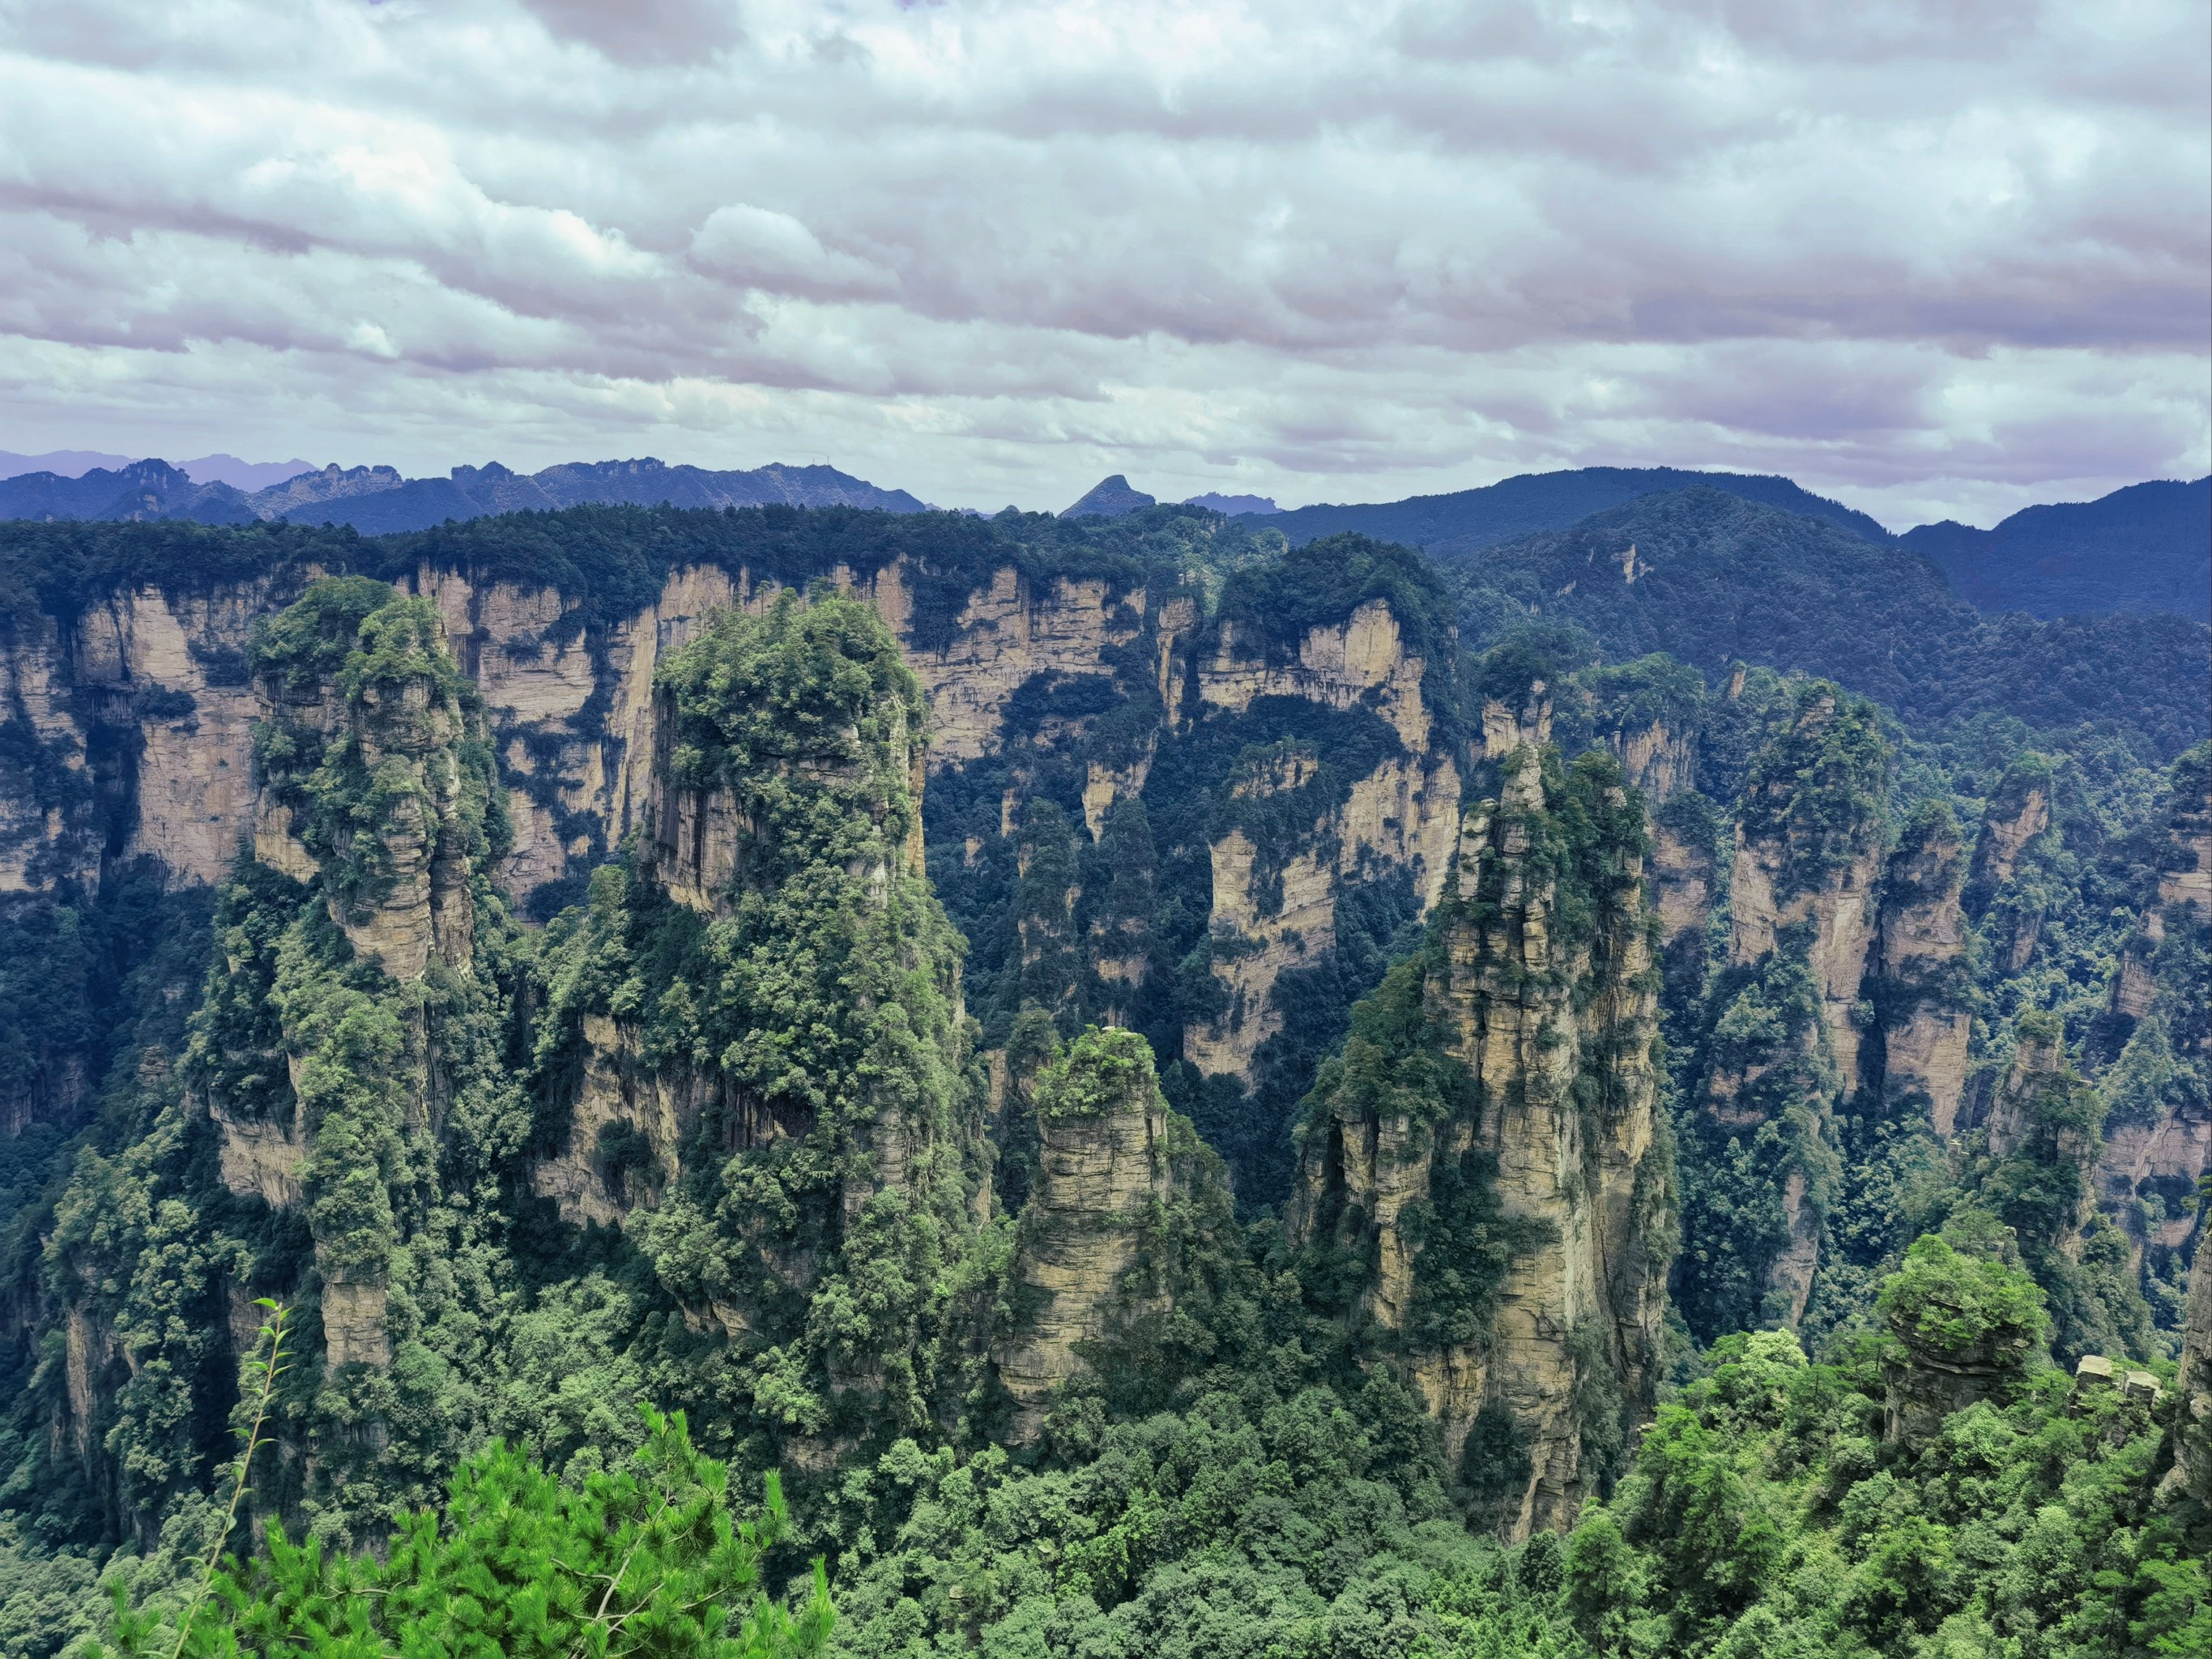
[(1104, 1173), (1553, 1029)]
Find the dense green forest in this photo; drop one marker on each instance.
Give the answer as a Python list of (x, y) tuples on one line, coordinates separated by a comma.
[(863, 1107)]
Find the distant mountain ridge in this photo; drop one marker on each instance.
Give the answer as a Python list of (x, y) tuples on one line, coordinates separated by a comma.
[(140, 490), (377, 500), (2147, 548), (1468, 520), (205, 468), (1715, 580)]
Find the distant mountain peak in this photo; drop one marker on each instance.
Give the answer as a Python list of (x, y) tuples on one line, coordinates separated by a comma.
[(1468, 520), (1109, 498), (247, 475)]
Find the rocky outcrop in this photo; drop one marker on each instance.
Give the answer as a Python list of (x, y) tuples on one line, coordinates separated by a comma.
[(1919, 980), (2038, 1072), (1544, 1004), (1929, 1380), (2155, 1037), (399, 885), (568, 697), (1782, 1031), (1103, 1175), (1807, 860), (621, 1102), (1963, 1328), (1683, 872), (373, 789), (2019, 811), (1660, 759), (569, 703), (794, 1073), (1274, 909), (2162, 1159), (2015, 837), (2184, 884)]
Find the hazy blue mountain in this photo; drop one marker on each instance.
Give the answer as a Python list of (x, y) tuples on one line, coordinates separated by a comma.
[(66, 463), (2145, 548), (1109, 498), (1235, 505), (377, 500), (1472, 519), (139, 489), (472, 492), (248, 475), (1715, 580), (333, 483)]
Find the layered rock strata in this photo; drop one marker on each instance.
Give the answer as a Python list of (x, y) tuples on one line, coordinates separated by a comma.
[(2155, 1153), (374, 790)]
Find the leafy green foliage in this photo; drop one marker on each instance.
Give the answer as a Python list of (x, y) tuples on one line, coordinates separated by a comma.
[(820, 994), (1099, 1069), (1242, 1471), (648, 1560), (1819, 788), (1952, 1306), (1764, 1515)]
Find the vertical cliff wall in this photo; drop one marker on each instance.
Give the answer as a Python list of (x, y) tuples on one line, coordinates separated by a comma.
[(338, 1090), (1082, 678), (1288, 847), (1778, 1044), (1484, 1162), (1123, 1195), (1809, 855), (757, 1033), (2192, 1417), (1918, 982), (2155, 1039)]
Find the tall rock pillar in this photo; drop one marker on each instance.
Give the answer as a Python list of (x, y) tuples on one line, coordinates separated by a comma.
[(1500, 1088)]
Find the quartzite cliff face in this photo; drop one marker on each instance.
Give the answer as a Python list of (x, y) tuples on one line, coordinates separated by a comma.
[(755, 1028), (1274, 916), (143, 714), (2158, 1142), (1095, 1248), (1918, 981), (375, 789), (1809, 858), (1543, 1004)]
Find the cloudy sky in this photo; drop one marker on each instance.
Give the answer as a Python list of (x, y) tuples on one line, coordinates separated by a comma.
[(1935, 259)]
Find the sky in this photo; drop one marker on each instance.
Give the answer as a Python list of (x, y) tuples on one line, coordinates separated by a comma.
[(1936, 260)]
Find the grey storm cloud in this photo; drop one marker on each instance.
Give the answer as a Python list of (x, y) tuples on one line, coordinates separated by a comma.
[(1936, 258)]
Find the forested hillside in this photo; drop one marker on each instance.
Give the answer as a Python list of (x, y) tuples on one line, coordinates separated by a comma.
[(2147, 548), (1141, 1089), (1469, 521)]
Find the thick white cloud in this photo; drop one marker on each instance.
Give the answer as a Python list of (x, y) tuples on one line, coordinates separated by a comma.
[(1935, 258)]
